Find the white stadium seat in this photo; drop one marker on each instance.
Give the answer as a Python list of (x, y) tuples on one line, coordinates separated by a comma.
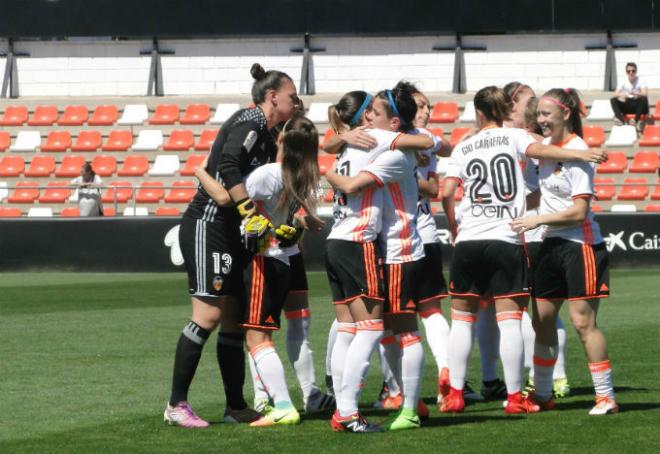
[(26, 141), (601, 109), (622, 136), (165, 165), (4, 192), (137, 211), (469, 114), (623, 208), (318, 112), (149, 140), (40, 212), (223, 112), (134, 114)]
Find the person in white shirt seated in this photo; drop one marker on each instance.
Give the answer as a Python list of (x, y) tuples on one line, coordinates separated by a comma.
[(88, 192), (631, 97)]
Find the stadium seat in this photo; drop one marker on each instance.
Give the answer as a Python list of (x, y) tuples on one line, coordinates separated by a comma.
[(653, 208), (325, 162), (438, 132), (318, 112), (4, 190), (656, 191), (40, 212), (623, 208), (594, 135), (329, 133), (180, 140), (122, 190), (165, 165), (150, 192), (604, 188), (181, 192), (87, 141), (329, 195), (134, 166), (14, 116), (601, 109), (196, 114), (617, 162), (469, 113), (41, 166), (191, 164), (25, 192), (43, 116), (5, 140), (149, 140), (634, 189), (10, 212), (622, 136), (165, 114), (57, 141), (118, 141), (223, 112), (73, 116), (631, 116), (645, 162), (136, 211), (444, 112), (104, 165), (70, 166), (109, 211), (167, 211), (656, 112), (70, 212), (596, 208), (11, 166), (26, 141), (457, 134), (134, 114), (56, 192), (651, 136), (206, 140), (105, 115)]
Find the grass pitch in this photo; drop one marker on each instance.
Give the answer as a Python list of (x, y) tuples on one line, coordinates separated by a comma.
[(86, 359)]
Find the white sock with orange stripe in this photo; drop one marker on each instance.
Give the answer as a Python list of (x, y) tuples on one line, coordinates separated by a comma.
[(345, 335), (529, 336), (511, 349), (269, 367), (297, 348), (601, 374), (545, 357), (412, 367), (366, 339), (260, 392), (460, 346), (437, 335), (332, 337), (560, 368), (390, 362), (488, 336)]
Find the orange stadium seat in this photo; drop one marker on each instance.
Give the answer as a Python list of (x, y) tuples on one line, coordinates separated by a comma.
[(645, 162), (41, 166), (596, 208), (104, 165), (457, 134), (181, 192), (25, 192), (604, 188), (325, 162), (43, 116), (70, 166), (196, 114), (444, 112), (168, 211), (329, 195), (105, 115), (87, 141), (438, 132), (122, 190), (150, 192), (5, 140), (109, 212), (634, 189), (14, 116), (656, 191), (206, 139), (10, 212), (70, 212), (57, 141), (616, 163), (118, 141), (165, 114), (134, 166), (653, 208), (11, 166), (74, 116), (191, 164), (328, 135), (651, 136), (56, 192), (594, 135), (180, 140)]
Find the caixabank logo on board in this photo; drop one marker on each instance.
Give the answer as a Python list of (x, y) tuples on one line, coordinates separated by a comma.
[(635, 241)]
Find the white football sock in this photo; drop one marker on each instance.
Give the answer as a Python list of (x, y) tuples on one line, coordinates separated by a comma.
[(412, 367), (528, 338), (343, 340), (488, 336), (511, 349), (437, 336), (460, 345), (389, 354), (270, 369), (332, 336), (560, 365), (299, 352), (545, 357), (601, 374), (260, 392)]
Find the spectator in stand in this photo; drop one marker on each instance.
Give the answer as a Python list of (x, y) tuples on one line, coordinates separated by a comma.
[(88, 192), (631, 98)]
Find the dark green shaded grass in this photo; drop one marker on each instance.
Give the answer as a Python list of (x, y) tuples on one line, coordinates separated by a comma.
[(85, 364)]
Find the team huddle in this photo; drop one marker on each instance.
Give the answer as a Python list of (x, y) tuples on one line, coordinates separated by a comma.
[(523, 231)]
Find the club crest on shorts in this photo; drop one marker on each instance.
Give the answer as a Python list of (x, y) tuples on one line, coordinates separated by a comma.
[(217, 283)]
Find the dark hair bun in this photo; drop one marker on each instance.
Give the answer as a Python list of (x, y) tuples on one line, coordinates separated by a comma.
[(258, 72)]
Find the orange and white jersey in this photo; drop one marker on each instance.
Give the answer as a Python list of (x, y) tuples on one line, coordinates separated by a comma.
[(561, 183), (531, 176), (425, 222), (396, 173), (357, 217), (488, 164)]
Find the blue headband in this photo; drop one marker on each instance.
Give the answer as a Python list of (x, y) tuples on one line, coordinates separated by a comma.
[(360, 111), (392, 103)]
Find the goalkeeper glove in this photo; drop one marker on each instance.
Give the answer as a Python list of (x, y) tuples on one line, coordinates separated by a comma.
[(256, 233), (288, 235), (246, 208)]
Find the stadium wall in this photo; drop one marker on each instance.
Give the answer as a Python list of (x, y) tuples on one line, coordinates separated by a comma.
[(86, 67), (151, 244)]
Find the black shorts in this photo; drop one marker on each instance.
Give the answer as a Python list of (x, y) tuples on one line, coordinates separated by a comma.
[(214, 258), (488, 268), (402, 287), (298, 280), (532, 249), (571, 270), (432, 284), (266, 283), (354, 271)]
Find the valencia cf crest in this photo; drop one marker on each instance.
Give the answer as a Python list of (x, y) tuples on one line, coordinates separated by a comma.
[(217, 283)]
